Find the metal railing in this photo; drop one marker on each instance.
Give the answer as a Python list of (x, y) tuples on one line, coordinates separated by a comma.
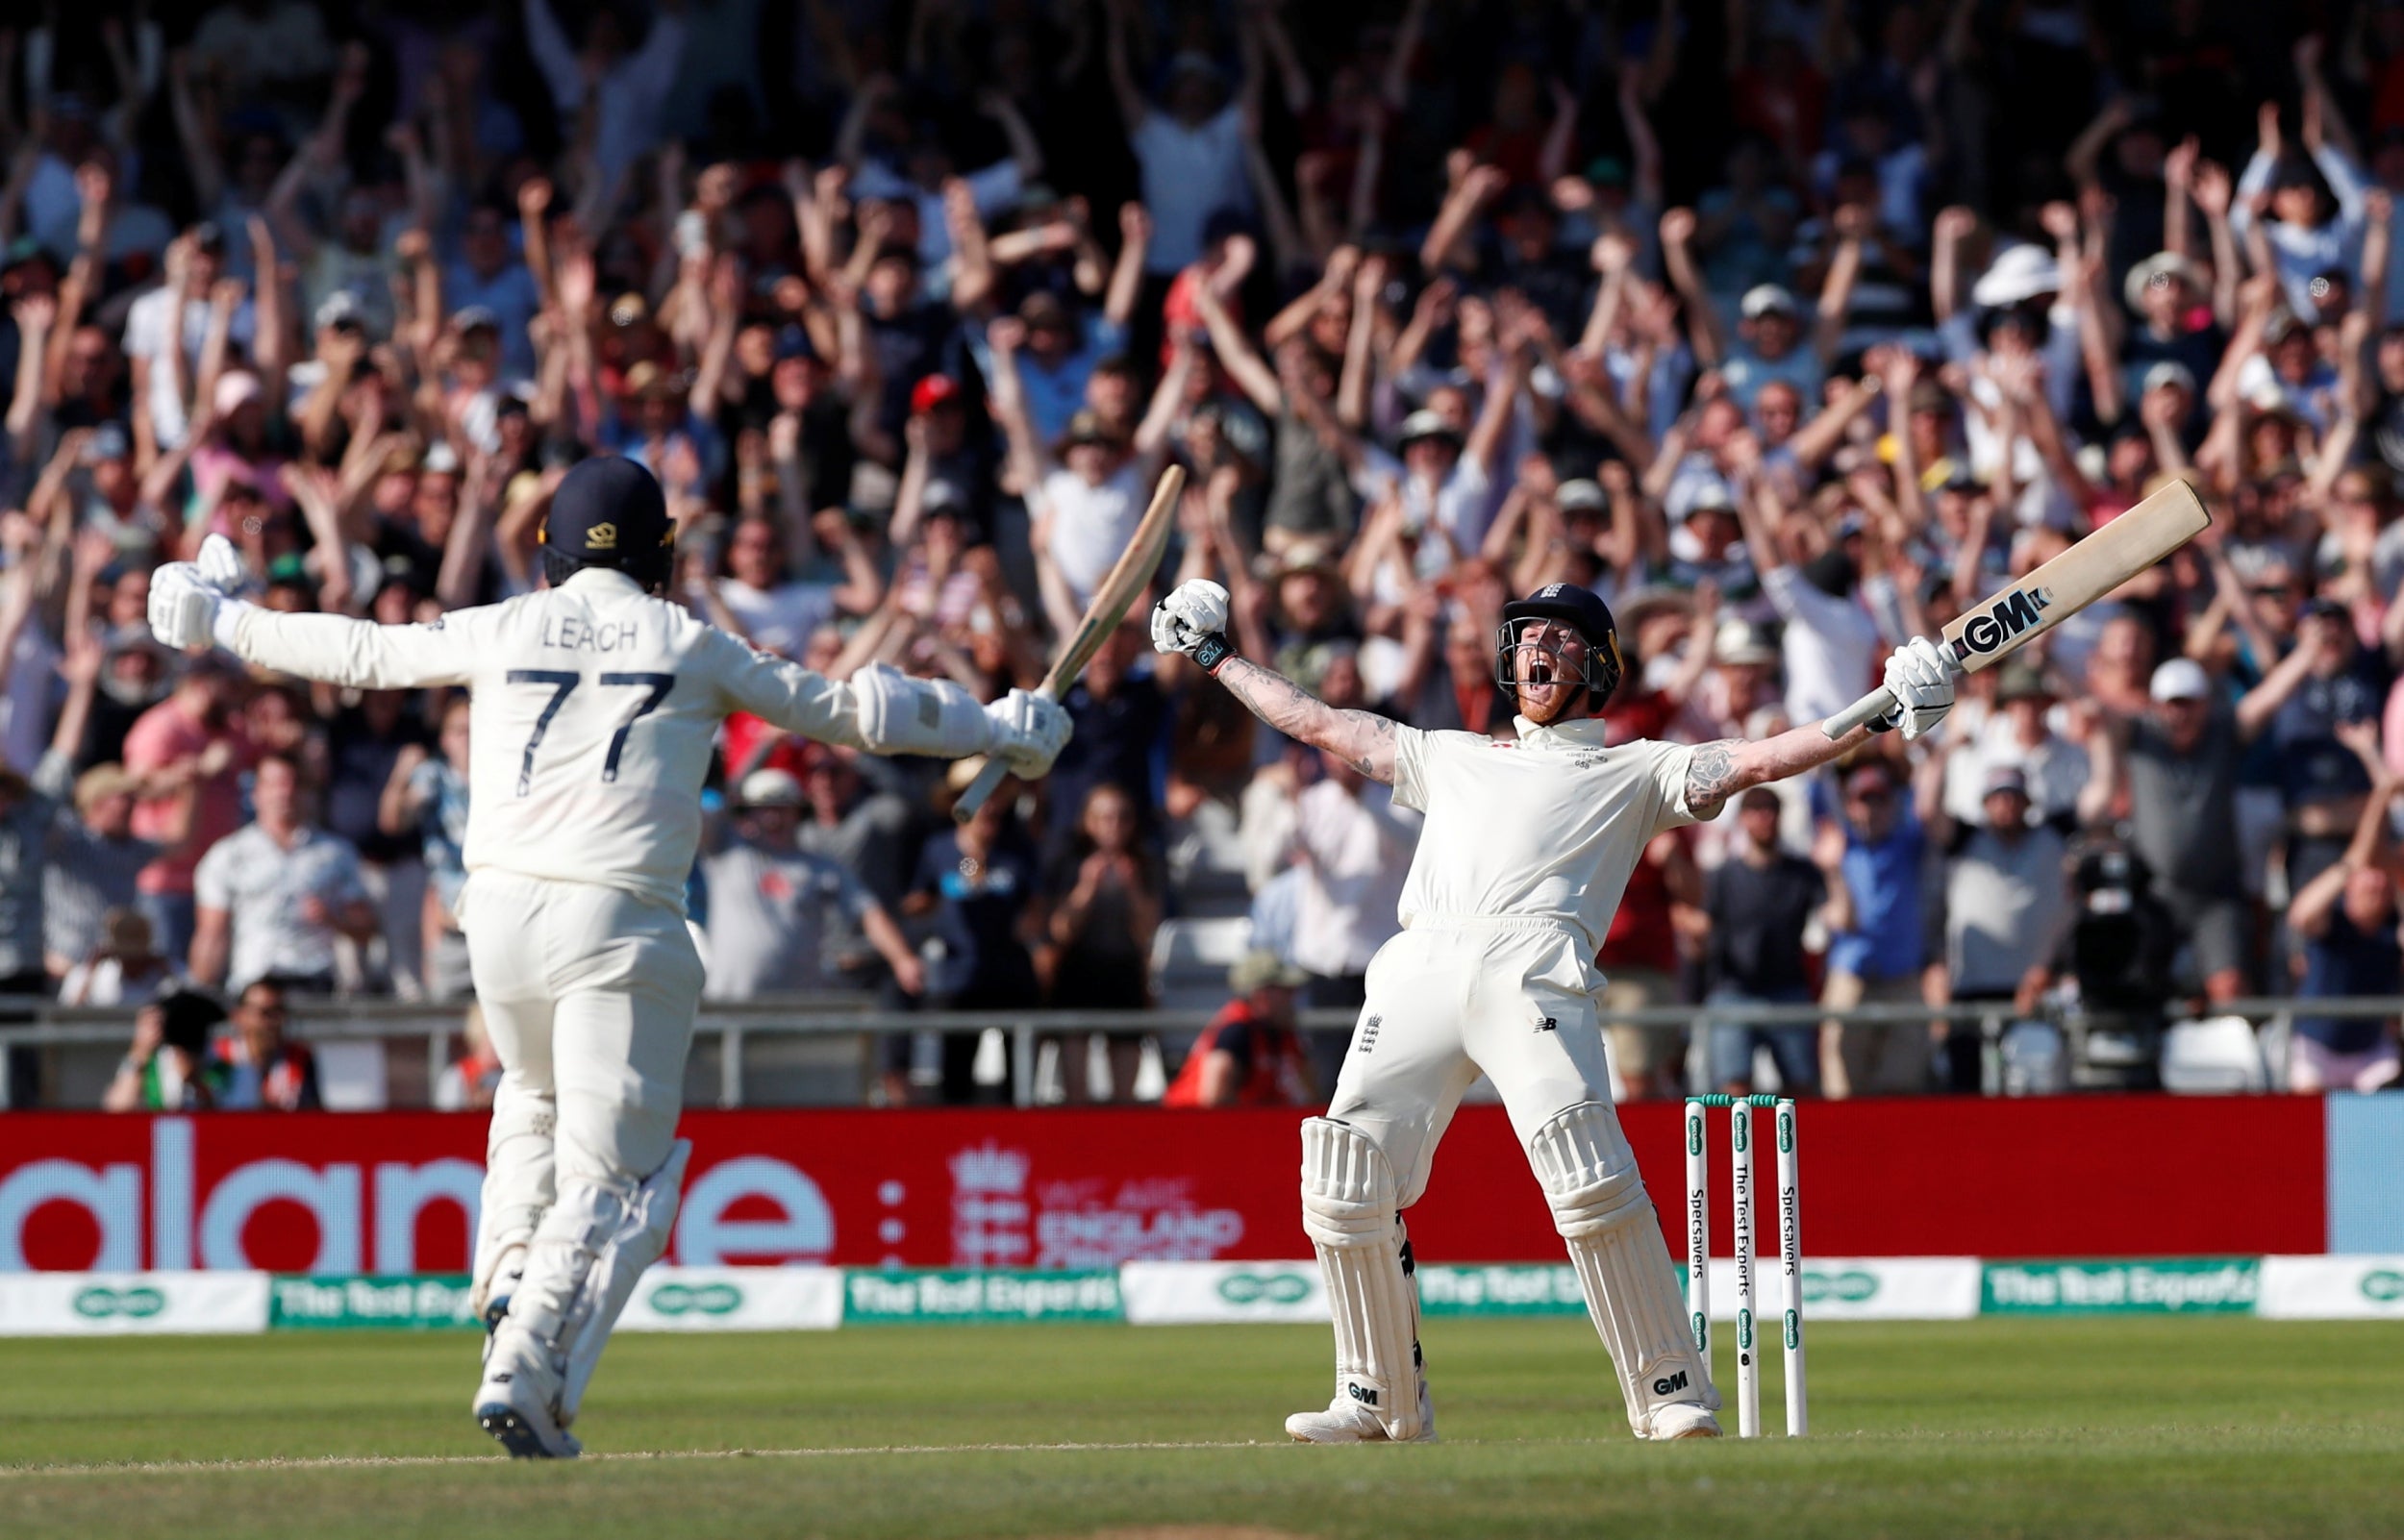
[(732, 1028)]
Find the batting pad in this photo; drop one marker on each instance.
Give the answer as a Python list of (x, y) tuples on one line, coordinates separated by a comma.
[(1623, 1265), (591, 1250), (1348, 1208), (518, 1184), (899, 715)]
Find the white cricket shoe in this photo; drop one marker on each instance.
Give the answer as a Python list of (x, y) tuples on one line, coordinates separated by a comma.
[(1346, 1421), (1684, 1420), (515, 1402)]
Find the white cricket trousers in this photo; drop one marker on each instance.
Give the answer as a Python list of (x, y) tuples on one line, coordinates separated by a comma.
[(589, 994), (1511, 997)]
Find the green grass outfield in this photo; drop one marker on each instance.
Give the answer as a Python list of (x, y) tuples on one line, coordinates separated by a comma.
[(2193, 1427)]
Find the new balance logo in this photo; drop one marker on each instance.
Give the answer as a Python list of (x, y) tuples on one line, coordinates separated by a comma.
[(1674, 1383), (1545, 1024), (1362, 1394)]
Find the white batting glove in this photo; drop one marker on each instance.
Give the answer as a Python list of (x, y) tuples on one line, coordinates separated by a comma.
[(1920, 677), (1192, 612), (1029, 732), (183, 607), (221, 565)]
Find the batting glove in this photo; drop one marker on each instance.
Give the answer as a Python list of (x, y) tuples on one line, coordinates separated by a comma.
[(1192, 620), (192, 603), (1029, 732), (1920, 677)]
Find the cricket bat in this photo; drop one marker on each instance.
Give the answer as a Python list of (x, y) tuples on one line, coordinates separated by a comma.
[(2002, 623), (1128, 578)]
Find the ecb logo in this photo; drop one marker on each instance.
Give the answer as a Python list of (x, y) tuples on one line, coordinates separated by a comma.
[(2013, 614)]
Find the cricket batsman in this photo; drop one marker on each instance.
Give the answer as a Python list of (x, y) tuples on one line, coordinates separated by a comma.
[(595, 705), (1526, 849)]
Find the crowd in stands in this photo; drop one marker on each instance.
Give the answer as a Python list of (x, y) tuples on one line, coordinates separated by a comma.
[(1788, 326)]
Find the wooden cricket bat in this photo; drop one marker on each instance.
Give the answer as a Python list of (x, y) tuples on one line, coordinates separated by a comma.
[(2002, 623), (1127, 580)]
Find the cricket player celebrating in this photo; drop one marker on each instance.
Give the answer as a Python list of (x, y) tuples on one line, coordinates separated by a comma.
[(1526, 850), (594, 704)]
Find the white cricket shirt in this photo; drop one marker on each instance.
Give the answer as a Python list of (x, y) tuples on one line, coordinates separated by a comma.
[(1544, 828), (594, 709)]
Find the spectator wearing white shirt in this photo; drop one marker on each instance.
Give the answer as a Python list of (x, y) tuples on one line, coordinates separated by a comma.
[(1088, 499), (627, 86), (775, 613), (163, 332), (2307, 235), (772, 905), (1831, 642), (273, 895), (1191, 152), (1354, 848)]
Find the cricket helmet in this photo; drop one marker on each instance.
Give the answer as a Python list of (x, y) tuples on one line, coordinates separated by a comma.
[(1583, 612), (610, 512)]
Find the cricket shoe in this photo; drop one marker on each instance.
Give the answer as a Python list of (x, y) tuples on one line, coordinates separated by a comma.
[(514, 1405), (1684, 1420), (1346, 1421)]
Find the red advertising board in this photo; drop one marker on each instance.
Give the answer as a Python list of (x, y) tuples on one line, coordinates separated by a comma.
[(393, 1192)]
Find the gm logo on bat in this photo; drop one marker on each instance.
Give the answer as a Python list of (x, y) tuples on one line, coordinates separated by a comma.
[(2012, 614)]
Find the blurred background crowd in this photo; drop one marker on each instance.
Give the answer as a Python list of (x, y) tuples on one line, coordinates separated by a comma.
[(1787, 326)]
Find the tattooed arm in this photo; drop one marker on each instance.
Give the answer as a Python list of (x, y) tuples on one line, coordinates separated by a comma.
[(1720, 770), (1364, 740)]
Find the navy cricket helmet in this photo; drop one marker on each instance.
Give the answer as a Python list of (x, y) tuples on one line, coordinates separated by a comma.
[(610, 512), (1582, 609)]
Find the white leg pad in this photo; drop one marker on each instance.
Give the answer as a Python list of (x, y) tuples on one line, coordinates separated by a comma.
[(586, 1259), (1623, 1265), (1348, 1208), (519, 1165)]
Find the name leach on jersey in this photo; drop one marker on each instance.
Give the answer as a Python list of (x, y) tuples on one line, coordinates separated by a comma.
[(594, 712)]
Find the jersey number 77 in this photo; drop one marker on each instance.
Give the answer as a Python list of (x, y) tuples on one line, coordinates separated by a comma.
[(563, 683)]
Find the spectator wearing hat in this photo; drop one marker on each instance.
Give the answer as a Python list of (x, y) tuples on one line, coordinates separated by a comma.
[(2006, 906), (1087, 501), (2168, 293), (2179, 763), (272, 897), (768, 904), (1250, 1053), (1770, 341), (2017, 733)]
